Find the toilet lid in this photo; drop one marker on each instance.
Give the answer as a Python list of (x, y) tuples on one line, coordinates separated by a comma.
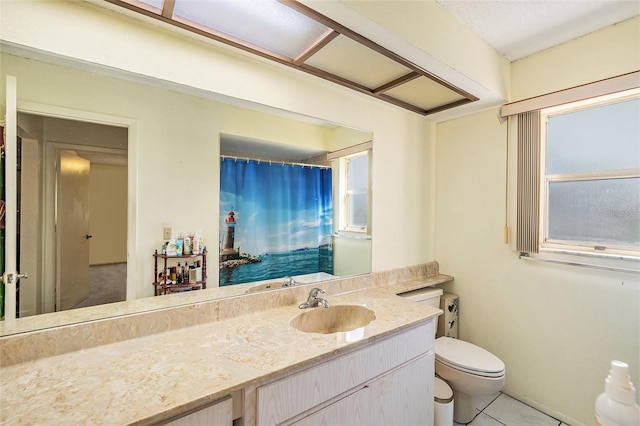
[(468, 357)]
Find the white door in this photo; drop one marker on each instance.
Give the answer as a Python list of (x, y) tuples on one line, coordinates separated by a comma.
[(10, 276), (72, 229)]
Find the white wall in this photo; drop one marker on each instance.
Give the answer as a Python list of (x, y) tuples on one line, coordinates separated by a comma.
[(556, 327), (176, 131), (596, 56)]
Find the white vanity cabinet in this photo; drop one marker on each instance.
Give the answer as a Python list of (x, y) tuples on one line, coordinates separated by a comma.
[(389, 381)]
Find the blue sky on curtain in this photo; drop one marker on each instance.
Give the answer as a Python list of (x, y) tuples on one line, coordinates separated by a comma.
[(276, 220)]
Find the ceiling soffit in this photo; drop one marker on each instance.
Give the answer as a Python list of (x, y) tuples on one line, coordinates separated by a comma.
[(326, 49)]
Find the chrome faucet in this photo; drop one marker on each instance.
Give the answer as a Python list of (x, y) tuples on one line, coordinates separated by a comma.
[(289, 282), (313, 300)]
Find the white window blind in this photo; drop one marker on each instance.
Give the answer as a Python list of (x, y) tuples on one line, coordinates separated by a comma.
[(528, 195)]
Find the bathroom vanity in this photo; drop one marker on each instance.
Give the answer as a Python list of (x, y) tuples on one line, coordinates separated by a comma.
[(216, 362), (382, 383)]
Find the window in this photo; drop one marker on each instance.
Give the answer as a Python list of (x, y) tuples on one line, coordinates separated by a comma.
[(590, 176), (354, 192)]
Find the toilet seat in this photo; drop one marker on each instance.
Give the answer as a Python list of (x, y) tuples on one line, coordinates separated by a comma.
[(467, 357)]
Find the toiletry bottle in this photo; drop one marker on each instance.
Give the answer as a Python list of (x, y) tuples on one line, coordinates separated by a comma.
[(195, 244), (171, 247), (198, 268), (185, 273), (192, 274), (200, 242), (179, 245), (617, 405), (186, 248)]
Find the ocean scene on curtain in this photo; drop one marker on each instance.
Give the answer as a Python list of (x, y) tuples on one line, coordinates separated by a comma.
[(276, 220)]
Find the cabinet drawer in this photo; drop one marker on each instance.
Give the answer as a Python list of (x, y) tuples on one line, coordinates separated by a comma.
[(219, 413), (288, 397)]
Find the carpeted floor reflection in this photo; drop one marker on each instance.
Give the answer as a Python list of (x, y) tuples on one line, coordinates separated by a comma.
[(107, 284)]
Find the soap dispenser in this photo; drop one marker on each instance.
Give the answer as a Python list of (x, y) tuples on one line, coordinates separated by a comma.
[(617, 405)]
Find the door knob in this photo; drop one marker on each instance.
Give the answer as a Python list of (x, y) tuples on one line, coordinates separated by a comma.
[(11, 278), (89, 236)]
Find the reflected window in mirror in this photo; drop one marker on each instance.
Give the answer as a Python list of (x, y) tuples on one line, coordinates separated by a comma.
[(352, 187), (354, 192)]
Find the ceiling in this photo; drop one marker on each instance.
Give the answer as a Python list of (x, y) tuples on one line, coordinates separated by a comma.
[(518, 29), (245, 147), (353, 51), (295, 35)]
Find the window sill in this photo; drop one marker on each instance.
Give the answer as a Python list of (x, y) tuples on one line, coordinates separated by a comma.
[(348, 234), (609, 262)]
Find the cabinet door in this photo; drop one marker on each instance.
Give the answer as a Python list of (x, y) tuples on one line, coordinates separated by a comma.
[(287, 398), (219, 413), (402, 397)]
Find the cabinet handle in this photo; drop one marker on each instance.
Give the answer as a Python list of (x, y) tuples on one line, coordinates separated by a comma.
[(88, 236)]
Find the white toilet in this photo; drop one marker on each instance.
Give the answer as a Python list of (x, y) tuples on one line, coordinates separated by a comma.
[(467, 368)]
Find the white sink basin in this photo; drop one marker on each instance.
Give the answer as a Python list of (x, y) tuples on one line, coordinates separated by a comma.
[(333, 319)]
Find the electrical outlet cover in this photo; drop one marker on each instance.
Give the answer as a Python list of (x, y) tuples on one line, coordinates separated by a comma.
[(166, 232)]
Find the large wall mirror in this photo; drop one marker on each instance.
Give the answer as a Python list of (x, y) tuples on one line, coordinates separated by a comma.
[(245, 131)]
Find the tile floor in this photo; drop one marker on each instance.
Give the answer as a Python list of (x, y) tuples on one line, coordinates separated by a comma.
[(501, 410)]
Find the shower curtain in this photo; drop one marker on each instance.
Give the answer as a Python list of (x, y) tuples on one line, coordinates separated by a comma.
[(275, 220)]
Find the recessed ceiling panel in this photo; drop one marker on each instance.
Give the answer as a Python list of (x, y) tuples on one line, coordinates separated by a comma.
[(354, 61), (424, 93), (155, 3), (265, 23)]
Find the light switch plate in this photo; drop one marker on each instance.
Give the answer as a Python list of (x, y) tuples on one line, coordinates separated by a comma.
[(166, 232)]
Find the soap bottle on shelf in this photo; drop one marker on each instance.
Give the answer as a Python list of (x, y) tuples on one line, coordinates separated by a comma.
[(171, 247), (617, 405), (187, 246), (179, 274), (192, 274), (185, 273), (179, 245), (195, 243)]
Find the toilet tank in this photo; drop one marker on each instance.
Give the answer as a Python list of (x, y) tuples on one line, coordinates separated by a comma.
[(428, 295)]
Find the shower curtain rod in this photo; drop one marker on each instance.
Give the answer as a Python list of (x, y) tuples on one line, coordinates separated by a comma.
[(289, 163)]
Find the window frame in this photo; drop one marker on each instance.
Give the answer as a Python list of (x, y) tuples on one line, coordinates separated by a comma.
[(579, 247)]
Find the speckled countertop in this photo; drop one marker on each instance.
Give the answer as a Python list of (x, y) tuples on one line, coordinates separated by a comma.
[(152, 377)]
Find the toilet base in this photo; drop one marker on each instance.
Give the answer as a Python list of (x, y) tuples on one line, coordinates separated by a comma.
[(463, 409)]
